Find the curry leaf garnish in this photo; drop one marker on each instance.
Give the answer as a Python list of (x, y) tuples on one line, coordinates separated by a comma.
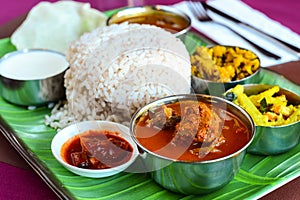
[(263, 105), (230, 96)]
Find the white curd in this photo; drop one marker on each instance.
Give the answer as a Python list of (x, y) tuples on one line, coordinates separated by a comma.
[(32, 65)]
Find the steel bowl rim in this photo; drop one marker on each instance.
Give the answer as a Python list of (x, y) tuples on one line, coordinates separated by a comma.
[(163, 8), (236, 81), (284, 89), (29, 50), (142, 110), (231, 82)]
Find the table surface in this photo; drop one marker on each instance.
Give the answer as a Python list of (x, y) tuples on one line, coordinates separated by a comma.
[(19, 181)]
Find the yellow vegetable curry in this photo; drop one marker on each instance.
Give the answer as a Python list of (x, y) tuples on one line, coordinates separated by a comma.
[(267, 108), (223, 63)]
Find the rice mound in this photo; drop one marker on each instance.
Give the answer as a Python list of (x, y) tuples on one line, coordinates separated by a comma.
[(117, 69)]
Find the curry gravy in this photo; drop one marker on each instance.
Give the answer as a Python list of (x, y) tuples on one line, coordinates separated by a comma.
[(159, 141)]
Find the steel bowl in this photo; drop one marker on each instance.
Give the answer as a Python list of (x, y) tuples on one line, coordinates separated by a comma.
[(193, 177), (162, 16), (33, 77), (273, 140), (204, 86)]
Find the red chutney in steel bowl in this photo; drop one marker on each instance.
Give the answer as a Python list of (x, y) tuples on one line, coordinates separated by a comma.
[(191, 131), (96, 149)]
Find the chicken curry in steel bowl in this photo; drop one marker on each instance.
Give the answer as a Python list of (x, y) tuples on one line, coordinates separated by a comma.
[(192, 144), (166, 17)]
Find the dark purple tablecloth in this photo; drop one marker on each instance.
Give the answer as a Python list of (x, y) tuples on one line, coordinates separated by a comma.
[(19, 181)]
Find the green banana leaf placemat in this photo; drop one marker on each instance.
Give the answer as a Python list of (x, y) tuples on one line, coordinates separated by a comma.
[(26, 131)]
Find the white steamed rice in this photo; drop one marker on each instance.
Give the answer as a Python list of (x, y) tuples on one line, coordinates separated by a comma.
[(117, 69)]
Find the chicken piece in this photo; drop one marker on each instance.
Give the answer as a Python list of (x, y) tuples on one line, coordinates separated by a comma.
[(209, 128), (199, 124), (187, 129), (163, 118)]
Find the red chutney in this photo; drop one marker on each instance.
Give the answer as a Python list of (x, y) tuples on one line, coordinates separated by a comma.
[(96, 149), (234, 135)]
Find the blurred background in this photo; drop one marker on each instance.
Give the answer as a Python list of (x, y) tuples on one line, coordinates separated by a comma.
[(283, 11)]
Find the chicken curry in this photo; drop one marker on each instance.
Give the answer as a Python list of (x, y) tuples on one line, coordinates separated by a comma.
[(191, 131)]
